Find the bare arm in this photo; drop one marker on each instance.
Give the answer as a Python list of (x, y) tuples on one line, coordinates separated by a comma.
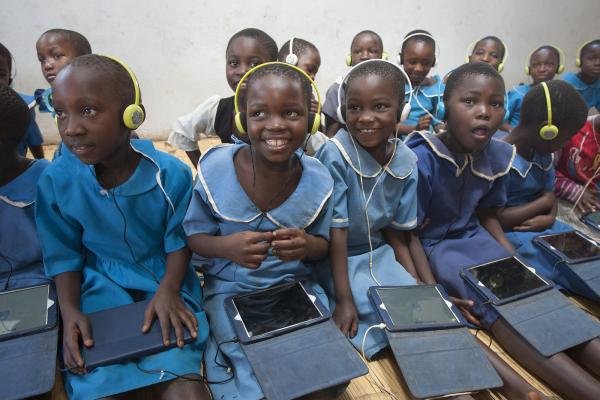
[(510, 217), (489, 220), (399, 243), (344, 315), (419, 257), (248, 249)]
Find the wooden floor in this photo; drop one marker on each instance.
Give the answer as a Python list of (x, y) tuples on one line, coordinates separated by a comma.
[(384, 380)]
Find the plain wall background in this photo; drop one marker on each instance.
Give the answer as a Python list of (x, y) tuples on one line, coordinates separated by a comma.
[(177, 47)]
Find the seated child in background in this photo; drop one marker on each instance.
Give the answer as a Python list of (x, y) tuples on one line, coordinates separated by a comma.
[(246, 49), (531, 204), (417, 56), (20, 252), (305, 56), (578, 168), (32, 139), (490, 50), (587, 80), (109, 214), (461, 173), (261, 211), (369, 169), (365, 45), (543, 64)]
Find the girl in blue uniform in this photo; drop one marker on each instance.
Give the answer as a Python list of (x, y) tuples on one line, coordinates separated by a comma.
[(109, 214), (417, 57), (20, 252), (461, 187), (587, 80), (531, 204), (374, 199), (261, 211)]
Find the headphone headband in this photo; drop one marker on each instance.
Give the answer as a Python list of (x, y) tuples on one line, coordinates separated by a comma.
[(136, 86), (578, 57), (474, 43), (412, 35), (133, 115), (561, 59), (549, 131), (340, 88), (291, 58)]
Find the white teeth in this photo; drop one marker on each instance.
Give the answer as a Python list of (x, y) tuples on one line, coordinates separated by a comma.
[(276, 143)]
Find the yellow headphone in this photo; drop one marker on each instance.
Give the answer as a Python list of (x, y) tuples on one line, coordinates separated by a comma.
[(384, 56), (472, 47), (578, 58), (133, 115), (314, 119), (548, 131), (561, 59)]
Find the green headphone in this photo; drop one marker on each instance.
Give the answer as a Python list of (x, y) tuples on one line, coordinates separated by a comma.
[(578, 58), (548, 131), (561, 60), (133, 115)]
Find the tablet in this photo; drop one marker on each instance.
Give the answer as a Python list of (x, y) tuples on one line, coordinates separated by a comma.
[(27, 310), (410, 308), (270, 312), (573, 246), (505, 280), (592, 220)]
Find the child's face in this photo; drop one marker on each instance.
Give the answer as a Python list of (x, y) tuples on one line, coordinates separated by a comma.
[(89, 115), (4, 71), (543, 65), (277, 117), (309, 62), (242, 54), (590, 61), (54, 52), (365, 47), (418, 58), (488, 51), (475, 111), (371, 110)]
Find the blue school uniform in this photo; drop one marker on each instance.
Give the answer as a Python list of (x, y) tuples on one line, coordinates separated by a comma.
[(43, 98), (451, 188), (589, 91), (220, 206), (81, 227), (20, 252), (515, 99), (425, 100), (392, 204), (331, 103), (524, 184), (33, 136)]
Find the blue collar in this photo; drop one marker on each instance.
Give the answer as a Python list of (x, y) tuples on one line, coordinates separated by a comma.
[(543, 162), (434, 90), (20, 192), (574, 80)]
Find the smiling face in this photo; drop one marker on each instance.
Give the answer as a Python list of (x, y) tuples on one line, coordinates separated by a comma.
[(89, 115), (277, 117), (242, 54), (590, 62), (310, 62), (54, 52), (488, 51), (365, 47), (418, 57), (543, 65), (475, 110), (372, 107)]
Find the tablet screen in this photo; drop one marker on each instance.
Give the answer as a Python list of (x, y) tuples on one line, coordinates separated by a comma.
[(572, 245), (594, 218), (507, 278), (416, 305), (23, 309), (274, 309)]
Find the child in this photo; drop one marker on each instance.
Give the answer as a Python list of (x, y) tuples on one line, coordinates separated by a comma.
[(577, 170), (246, 49), (305, 56), (261, 211), (531, 204), (20, 253), (461, 174), (109, 214), (490, 50), (543, 64), (55, 49), (587, 80), (365, 45), (33, 138), (417, 57), (375, 181)]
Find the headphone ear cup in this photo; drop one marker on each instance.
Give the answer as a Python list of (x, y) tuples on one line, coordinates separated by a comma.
[(385, 56), (501, 67), (240, 122), (399, 58), (349, 60), (467, 59), (405, 112), (548, 132), (561, 69), (291, 59), (133, 116), (578, 62), (341, 113), (314, 122), (527, 70), (440, 111)]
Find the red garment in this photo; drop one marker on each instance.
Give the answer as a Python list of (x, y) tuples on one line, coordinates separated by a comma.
[(579, 160)]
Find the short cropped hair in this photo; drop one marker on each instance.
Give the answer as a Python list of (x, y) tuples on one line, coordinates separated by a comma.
[(383, 69), (14, 116), (299, 47), (284, 71), (262, 37), (458, 76), (367, 32), (77, 40)]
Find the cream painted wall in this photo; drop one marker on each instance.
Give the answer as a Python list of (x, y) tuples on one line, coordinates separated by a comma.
[(177, 47)]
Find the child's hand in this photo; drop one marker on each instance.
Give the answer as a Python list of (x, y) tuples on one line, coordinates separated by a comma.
[(536, 224), (76, 326), (589, 201), (249, 249), (170, 310), (424, 122), (464, 306), (314, 105), (346, 317), (290, 244)]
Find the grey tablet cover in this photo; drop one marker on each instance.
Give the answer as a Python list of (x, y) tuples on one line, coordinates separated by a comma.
[(28, 364), (304, 361), (581, 278), (442, 362), (549, 321)]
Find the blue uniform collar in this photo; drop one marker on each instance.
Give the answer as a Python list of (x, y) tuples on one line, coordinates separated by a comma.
[(434, 90), (574, 80), (543, 162), (401, 165), (20, 192), (227, 198)]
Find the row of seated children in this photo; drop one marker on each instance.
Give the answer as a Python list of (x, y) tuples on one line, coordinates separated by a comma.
[(68, 229)]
